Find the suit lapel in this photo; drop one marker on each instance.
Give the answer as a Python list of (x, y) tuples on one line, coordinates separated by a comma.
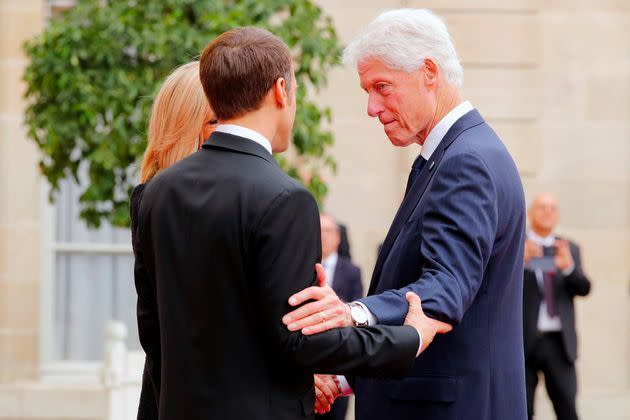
[(418, 189)]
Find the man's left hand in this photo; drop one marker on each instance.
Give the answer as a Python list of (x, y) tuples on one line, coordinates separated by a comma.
[(325, 313), (563, 258)]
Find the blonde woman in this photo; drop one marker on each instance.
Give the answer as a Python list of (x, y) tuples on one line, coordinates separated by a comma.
[(181, 120)]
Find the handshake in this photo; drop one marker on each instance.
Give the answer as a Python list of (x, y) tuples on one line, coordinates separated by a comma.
[(327, 389)]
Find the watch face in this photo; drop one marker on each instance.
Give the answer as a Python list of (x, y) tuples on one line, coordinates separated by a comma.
[(359, 315)]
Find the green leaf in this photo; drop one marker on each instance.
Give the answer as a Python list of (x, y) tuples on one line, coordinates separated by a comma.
[(93, 72)]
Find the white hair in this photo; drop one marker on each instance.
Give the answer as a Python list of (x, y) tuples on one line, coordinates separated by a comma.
[(403, 39)]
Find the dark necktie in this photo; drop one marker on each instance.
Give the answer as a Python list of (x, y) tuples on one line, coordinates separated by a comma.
[(548, 293), (415, 171)]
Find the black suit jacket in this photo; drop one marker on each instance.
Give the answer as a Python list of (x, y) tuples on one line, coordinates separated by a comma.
[(344, 243), (147, 317), (347, 281), (566, 287), (348, 286), (223, 238)]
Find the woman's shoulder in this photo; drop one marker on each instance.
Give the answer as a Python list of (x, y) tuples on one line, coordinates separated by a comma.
[(137, 190), (134, 202), (136, 194)]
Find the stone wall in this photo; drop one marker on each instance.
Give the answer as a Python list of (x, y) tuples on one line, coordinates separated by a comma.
[(19, 200)]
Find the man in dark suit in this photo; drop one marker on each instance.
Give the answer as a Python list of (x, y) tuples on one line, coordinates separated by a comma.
[(548, 314), (456, 240), (224, 237), (343, 276), (345, 279)]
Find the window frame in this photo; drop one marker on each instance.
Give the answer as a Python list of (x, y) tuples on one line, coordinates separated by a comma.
[(53, 369)]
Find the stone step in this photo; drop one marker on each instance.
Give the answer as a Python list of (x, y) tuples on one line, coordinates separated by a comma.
[(42, 401)]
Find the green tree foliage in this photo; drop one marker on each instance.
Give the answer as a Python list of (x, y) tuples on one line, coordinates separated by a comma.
[(95, 68)]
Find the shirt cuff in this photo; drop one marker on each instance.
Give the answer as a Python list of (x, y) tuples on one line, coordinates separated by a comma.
[(371, 318), (344, 386), (420, 345), (569, 270)]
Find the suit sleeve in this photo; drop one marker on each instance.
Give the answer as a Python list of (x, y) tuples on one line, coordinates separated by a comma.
[(287, 246), (576, 283), (458, 232), (148, 323)]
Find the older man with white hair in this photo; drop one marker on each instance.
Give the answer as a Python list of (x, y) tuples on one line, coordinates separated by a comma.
[(456, 240)]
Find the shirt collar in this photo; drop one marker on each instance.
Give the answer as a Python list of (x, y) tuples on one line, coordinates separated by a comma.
[(441, 128), (546, 241), (239, 130)]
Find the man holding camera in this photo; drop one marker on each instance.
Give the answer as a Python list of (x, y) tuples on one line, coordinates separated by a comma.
[(553, 276)]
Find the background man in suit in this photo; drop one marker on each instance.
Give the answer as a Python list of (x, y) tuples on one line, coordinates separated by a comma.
[(225, 237), (456, 240), (343, 276), (345, 279), (548, 314)]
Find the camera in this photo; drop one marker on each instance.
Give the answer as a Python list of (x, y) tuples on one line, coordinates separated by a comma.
[(549, 251)]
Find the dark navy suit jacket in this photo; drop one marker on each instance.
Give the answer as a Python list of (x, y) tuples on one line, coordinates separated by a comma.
[(456, 241), (347, 281)]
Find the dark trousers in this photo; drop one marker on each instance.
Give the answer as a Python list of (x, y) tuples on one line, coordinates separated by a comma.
[(548, 356), (337, 411)]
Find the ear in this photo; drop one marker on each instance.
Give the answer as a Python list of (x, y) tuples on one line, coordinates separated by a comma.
[(280, 92), (431, 71)]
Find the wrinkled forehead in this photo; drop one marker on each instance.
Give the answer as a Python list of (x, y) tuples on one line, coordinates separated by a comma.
[(371, 69), (372, 63)]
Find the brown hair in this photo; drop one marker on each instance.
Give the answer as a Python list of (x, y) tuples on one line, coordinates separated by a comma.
[(239, 68), (179, 112)]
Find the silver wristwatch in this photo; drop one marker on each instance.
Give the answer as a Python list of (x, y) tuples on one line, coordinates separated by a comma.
[(358, 314)]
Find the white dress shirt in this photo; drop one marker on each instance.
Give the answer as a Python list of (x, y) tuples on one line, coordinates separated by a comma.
[(438, 132), (239, 130), (330, 264), (546, 323)]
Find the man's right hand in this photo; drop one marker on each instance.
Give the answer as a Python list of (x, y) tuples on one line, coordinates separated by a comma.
[(532, 250), (326, 391), (325, 312), (426, 327)]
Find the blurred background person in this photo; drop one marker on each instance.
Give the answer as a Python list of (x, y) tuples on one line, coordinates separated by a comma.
[(181, 120), (553, 277), (345, 279), (343, 276)]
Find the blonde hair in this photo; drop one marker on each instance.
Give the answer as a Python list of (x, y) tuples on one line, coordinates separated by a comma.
[(179, 113)]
